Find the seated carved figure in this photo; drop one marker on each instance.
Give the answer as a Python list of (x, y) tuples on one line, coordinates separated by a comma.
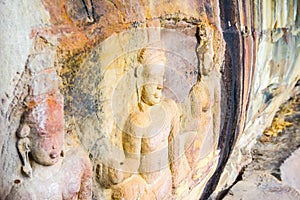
[(149, 138), (52, 172)]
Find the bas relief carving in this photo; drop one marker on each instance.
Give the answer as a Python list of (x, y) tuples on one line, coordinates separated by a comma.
[(51, 168), (153, 114), (150, 135), (150, 121), (205, 109)]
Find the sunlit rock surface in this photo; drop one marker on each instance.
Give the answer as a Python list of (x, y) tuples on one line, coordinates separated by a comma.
[(274, 159), (262, 186), (245, 53), (270, 50), (289, 170)]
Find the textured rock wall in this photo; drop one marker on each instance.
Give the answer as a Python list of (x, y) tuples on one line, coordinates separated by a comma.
[(17, 47), (269, 41), (92, 45)]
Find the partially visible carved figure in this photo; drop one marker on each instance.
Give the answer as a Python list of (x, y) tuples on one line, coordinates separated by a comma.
[(53, 171), (150, 137), (205, 109), (210, 75), (201, 122)]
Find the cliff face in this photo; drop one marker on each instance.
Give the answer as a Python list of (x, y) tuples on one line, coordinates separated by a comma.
[(229, 65), (268, 42)]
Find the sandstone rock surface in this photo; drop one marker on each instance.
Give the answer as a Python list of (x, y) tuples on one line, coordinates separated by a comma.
[(229, 65), (289, 170)]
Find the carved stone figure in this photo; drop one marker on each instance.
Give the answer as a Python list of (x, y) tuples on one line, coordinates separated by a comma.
[(211, 76), (205, 109), (52, 170), (150, 140), (201, 121)]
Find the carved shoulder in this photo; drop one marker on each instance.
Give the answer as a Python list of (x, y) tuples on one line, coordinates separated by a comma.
[(138, 119), (200, 95), (171, 106), (21, 192), (77, 155)]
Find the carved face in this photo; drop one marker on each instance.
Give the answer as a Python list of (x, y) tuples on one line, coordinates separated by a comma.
[(151, 93), (47, 132), (46, 145)]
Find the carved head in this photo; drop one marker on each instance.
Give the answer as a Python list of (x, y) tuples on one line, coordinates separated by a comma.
[(45, 119), (205, 48), (152, 73)]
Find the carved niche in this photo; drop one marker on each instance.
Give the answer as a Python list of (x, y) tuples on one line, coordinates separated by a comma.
[(146, 105)]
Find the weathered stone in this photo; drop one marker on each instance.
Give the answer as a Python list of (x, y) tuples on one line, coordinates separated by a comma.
[(51, 169), (229, 65), (289, 170), (261, 186)]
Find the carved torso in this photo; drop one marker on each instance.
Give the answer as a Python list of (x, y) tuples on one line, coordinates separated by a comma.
[(61, 181)]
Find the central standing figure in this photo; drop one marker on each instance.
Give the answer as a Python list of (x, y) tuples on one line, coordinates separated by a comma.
[(150, 139)]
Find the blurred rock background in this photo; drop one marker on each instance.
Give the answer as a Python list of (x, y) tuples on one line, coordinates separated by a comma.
[(273, 171)]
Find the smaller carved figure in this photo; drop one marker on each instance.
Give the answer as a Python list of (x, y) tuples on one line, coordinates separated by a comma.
[(211, 78), (201, 121), (205, 109), (52, 170)]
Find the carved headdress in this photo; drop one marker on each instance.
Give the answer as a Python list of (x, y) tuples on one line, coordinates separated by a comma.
[(152, 61), (44, 112), (45, 99)]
